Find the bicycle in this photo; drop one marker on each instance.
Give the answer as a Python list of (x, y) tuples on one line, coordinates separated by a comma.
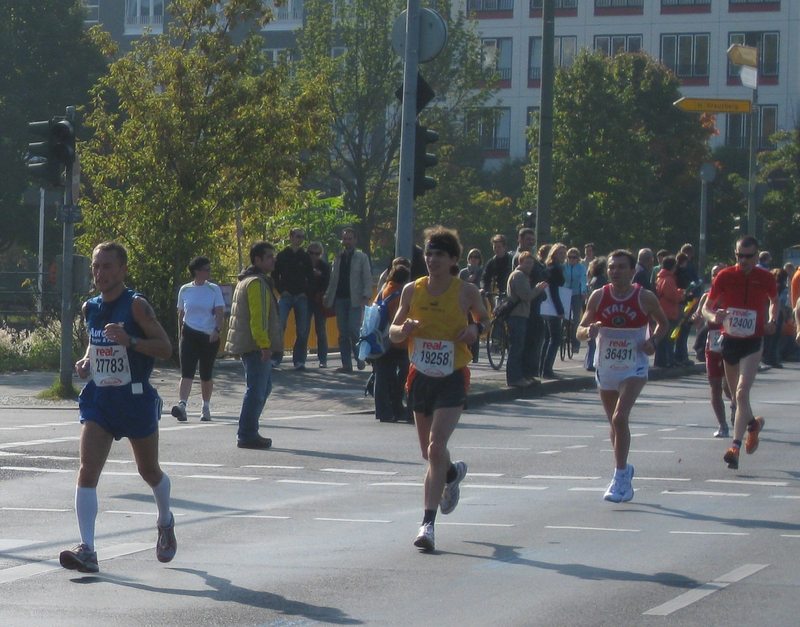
[(497, 343), (566, 349)]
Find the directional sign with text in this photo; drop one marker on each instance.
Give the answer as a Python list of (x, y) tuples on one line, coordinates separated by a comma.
[(714, 105)]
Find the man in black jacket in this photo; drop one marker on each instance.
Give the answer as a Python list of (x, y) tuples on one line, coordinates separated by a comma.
[(498, 268), (293, 275)]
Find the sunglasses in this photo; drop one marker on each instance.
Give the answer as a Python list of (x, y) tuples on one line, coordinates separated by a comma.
[(314, 253), (745, 255)]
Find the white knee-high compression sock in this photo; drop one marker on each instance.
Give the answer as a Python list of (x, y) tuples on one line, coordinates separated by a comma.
[(86, 510)]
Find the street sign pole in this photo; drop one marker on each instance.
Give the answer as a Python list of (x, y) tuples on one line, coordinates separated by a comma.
[(544, 196), (752, 167), (404, 235), (69, 215)]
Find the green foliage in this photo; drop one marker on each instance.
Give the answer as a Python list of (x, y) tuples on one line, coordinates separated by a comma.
[(48, 63), (625, 160), (780, 210), (197, 140), (39, 349)]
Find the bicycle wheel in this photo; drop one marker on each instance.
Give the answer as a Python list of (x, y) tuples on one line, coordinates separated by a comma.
[(568, 338), (497, 344), (565, 345)]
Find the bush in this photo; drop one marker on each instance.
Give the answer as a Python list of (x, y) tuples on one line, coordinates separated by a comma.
[(39, 349)]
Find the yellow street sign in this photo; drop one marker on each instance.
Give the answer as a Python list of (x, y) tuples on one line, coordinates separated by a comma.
[(714, 105)]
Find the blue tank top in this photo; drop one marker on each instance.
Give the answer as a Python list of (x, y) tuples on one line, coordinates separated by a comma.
[(99, 314)]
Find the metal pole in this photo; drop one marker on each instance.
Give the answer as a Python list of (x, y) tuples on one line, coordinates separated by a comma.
[(751, 178), (701, 249), (68, 211), (545, 191), (40, 282), (404, 235)]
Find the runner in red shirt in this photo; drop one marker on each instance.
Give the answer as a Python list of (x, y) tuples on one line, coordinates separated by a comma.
[(738, 301)]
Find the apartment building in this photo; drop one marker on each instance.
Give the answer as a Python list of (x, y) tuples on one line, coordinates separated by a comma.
[(691, 37)]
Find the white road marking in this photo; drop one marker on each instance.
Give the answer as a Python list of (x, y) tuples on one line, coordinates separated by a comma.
[(38, 425), (692, 596), (37, 568), (204, 425), (775, 484), (701, 493), (790, 535), (676, 437), (36, 509), (404, 484), (548, 452), (39, 442), (353, 520), (12, 544), (222, 477), (556, 435), (668, 429), (310, 482), (638, 450), (638, 435), (199, 465), (574, 528), (575, 446), (567, 477), (32, 469), (493, 448), (274, 467), (479, 486), (356, 471), (117, 473), (782, 496), (586, 490), (133, 513), (662, 479), (284, 418), (260, 516), (710, 533), (463, 524), (493, 475)]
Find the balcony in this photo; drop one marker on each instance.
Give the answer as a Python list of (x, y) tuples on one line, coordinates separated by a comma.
[(672, 7), (563, 8), (490, 9), (618, 7), (751, 6)]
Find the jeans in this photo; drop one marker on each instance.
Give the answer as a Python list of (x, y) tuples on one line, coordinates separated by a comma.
[(665, 351), (552, 342), (348, 322), (681, 344), (321, 329), (575, 318), (298, 302), (391, 372), (517, 329), (258, 381), (534, 337)]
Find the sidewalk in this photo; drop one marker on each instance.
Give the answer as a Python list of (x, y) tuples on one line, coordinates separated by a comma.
[(314, 390)]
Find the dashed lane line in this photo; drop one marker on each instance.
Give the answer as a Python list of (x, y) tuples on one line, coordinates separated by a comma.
[(784, 496), (493, 448), (36, 509), (577, 528), (298, 481), (773, 484), (222, 477), (34, 469), (353, 520), (265, 467), (693, 596), (356, 471), (560, 477), (710, 533), (701, 493), (640, 451)]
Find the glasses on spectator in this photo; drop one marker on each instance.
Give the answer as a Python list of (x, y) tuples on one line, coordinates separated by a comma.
[(573, 257), (745, 255)]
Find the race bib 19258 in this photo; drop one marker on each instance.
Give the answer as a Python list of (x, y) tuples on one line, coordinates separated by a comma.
[(434, 358)]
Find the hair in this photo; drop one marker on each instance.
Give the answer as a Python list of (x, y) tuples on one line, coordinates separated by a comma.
[(297, 231), (525, 254), (349, 229), (573, 251), (681, 258), (715, 270), (552, 252), (597, 266), (668, 263), (747, 241), (316, 246), (259, 249), (400, 270), (663, 252), (687, 249), (474, 252), (542, 251), (623, 252), (114, 247), (499, 237), (589, 245), (444, 239), (764, 256), (525, 230), (197, 263)]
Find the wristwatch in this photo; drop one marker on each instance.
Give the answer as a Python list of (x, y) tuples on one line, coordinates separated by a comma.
[(481, 327), (134, 341)]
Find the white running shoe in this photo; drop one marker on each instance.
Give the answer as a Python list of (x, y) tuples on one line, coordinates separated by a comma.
[(424, 539), (452, 492), (205, 414), (613, 490), (626, 485)]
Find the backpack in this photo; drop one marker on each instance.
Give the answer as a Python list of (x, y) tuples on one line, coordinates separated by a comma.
[(374, 334), (504, 308)]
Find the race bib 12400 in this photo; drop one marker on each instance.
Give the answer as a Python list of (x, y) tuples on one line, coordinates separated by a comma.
[(434, 358), (740, 322)]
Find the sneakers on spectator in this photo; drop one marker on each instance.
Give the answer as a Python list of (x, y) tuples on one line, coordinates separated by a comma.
[(167, 545), (452, 492), (731, 457), (361, 364), (722, 432), (299, 366), (424, 539), (81, 558), (205, 414), (626, 485), (751, 439), (179, 411), (323, 364)]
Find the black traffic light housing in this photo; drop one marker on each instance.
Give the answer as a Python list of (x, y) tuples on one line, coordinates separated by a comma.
[(54, 153), (740, 225), (423, 159)]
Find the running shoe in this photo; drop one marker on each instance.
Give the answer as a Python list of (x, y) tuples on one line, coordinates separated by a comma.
[(424, 539), (731, 457), (452, 492), (722, 432), (751, 439), (205, 414), (179, 411), (81, 558), (613, 492), (626, 485), (167, 545)]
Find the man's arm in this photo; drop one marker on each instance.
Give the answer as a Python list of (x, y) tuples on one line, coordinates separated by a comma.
[(589, 326), (155, 342), (402, 326)]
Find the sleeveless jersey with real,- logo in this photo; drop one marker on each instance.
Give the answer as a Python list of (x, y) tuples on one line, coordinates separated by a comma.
[(433, 348)]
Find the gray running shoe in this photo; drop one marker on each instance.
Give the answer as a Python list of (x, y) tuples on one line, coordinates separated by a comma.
[(179, 411), (722, 432), (166, 545), (626, 485), (80, 558), (205, 414), (452, 492), (424, 539)]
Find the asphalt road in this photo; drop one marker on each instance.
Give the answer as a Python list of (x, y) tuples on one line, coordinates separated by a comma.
[(319, 529)]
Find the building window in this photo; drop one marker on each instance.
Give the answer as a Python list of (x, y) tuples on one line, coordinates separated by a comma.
[(619, 4), (490, 6), (285, 11), (493, 129), (564, 50), (686, 54), (537, 5), (685, 3), (496, 57), (768, 45), (611, 45), (91, 12), (144, 13), (754, 5), (737, 133)]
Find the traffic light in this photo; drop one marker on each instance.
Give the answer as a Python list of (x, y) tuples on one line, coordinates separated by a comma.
[(54, 152), (423, 159), (740, 225)]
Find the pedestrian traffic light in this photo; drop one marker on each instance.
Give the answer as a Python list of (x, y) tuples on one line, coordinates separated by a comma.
[(54, 152), (740, 225), (423, 159)]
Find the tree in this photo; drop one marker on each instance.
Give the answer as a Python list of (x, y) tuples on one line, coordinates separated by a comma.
[(362, 80), (197, 139), (625, 160), (48, 63), (780, 211)]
